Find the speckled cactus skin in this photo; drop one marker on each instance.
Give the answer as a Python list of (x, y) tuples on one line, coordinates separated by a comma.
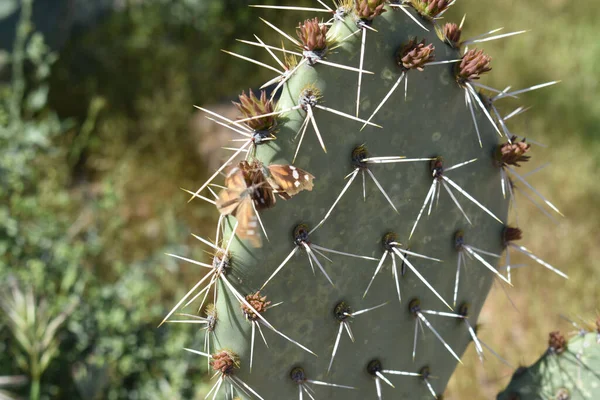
[(569, 373), (433, 121)]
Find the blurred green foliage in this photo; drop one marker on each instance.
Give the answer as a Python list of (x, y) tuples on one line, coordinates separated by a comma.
[(94, 144)]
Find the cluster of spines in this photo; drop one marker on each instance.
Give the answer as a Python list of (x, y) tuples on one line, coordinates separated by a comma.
[(260, 122)]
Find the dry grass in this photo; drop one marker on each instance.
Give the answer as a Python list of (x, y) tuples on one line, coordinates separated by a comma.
[(540, 296), (566, 118)]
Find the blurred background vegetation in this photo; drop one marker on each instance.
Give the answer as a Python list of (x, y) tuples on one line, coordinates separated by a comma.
[(98, 134)]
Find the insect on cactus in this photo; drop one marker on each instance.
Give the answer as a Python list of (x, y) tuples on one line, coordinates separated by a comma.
[(339, 80)]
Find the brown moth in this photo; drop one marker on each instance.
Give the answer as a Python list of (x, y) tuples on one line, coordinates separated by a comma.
[(286, 180), (251, 186), (246, 192)]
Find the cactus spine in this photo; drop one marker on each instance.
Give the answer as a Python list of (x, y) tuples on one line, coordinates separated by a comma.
[(420, 166)]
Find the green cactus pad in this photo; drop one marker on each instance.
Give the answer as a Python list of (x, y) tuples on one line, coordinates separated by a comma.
[(433, 121), (571, 374), (430, 123)]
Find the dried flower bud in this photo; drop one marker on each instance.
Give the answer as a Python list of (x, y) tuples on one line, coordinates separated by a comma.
[(511, 234), (313, 35), (512, 153), (367, 10), (258, 302), (557, 342), (252, 106), (474, 63), (225, 361), (452, 33), (431, 8), (414, 55)]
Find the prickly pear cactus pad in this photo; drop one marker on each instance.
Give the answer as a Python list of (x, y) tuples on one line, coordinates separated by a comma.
[(367, 200), (568, 370)]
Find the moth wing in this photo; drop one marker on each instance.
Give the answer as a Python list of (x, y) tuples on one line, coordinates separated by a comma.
[(235, 177), (248, 227), (228, 201), (229, 198), (264, 195), (290, 180), (262, 191)]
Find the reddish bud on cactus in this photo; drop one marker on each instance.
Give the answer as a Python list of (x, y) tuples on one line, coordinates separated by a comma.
[(452, 32), (313, 35), (512, 153), (414, 55), (557, 342), (251, 106), (258, 302), (474, 63), (511, 234), (225, 361), (431, 8), (369, 9)]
